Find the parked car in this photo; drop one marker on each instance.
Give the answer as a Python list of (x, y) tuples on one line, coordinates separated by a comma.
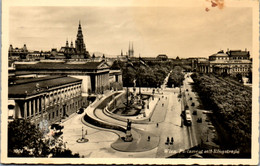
[(57, 126), (194, 112), (80, 111), (188, 119)]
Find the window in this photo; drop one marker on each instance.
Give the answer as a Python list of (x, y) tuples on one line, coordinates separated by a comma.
[(10, 107), (49, 116), (57, 112), (52, 114)]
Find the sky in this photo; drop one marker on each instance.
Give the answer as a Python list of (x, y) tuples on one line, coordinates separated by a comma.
[(174, 31)]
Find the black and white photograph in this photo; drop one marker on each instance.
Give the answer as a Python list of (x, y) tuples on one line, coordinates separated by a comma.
[(130, 82)]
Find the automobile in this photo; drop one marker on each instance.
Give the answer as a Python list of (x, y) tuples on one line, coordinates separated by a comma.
[(57, 126), (188, 119), (194, 112), (80, 111), (207, 112)]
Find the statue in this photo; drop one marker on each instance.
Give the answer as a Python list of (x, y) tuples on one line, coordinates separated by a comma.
[(128, 124), (128, 137)]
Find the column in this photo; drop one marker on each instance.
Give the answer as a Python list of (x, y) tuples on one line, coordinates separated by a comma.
[(38, 102), (34, 107), (43, 103), (25, 110), (96, 83), (30, 108)]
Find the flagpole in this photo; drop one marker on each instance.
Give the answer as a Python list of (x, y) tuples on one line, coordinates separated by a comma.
[(139, 77), (127, 84)]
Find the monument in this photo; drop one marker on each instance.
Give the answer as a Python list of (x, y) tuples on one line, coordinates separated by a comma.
[(128, 137)]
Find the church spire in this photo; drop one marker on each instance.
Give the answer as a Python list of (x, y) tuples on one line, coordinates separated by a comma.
[(71, 44), (131, 49), (67, 43), (79, 42)]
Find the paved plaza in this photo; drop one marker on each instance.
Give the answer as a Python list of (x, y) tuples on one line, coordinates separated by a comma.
[(164, 123)]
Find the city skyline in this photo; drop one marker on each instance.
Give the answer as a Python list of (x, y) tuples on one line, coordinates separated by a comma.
[(183, 32)]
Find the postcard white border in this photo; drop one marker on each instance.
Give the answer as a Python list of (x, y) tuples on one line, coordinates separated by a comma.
[(176, 3)]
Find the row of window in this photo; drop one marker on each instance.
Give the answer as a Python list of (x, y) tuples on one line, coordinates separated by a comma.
[(227, 58), (60, 96), (241, 69), (63, 111)]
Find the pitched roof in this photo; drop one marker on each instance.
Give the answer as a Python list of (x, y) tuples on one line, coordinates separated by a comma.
[(58, 66), (219, 54), (32, 86), (238, 53)]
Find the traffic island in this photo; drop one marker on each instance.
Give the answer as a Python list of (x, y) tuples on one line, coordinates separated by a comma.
[(142, 141), (82, 140)]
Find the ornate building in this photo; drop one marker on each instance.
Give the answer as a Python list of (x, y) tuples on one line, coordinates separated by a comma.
[(17, 53), (232, 62), (79, 43), (77, 52), (94, 75), (48, 98)]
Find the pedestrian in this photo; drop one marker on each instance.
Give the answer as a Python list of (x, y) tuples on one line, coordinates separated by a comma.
[(157, 125), (148, 139), (167, 141), (149, 119), (172, 140), (162, 104)]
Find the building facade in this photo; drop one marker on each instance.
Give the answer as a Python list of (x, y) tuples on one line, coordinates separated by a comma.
[(94, 75), (17, 53), (65, 52), (48, 98), (232, 62)]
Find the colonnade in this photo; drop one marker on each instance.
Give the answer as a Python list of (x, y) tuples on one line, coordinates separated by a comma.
[(102, 82), (38, 105)]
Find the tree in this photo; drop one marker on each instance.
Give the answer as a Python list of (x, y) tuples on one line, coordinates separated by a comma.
[(25, 140), (250, 77)]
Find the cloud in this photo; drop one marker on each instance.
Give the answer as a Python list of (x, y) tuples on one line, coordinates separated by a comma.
[(182, 31)]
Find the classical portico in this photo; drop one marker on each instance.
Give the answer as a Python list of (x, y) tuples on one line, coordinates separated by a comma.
[(94, 75)]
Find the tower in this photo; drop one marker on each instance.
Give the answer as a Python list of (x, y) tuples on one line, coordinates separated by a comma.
[(79, 43), (131, 50), (67, 43), (71, 44)]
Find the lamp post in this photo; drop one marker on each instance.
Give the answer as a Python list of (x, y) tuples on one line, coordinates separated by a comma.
[(82, 133)]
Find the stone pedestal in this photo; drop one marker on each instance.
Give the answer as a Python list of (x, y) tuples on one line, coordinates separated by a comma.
[(128, 137)]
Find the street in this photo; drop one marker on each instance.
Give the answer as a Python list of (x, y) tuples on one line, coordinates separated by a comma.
[(165, 123)]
